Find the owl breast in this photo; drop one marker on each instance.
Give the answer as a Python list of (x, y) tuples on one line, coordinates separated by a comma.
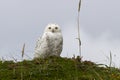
[(55, 42)]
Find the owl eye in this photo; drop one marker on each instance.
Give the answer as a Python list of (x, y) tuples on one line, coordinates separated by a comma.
[(49, 28), (56, 27)]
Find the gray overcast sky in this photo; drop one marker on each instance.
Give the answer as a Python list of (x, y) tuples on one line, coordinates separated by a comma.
[(23, 21)]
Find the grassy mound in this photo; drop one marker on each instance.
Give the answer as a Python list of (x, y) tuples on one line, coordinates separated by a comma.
[(56, 68)]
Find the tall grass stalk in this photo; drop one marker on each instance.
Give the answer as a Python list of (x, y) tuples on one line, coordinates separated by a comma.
[(23, 50), (110, 65), (78, 25), (22, 55)]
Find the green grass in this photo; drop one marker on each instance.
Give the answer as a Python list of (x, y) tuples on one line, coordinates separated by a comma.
[(56, 68)]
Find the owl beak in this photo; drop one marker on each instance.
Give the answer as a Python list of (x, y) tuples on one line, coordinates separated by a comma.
[(53, 30)]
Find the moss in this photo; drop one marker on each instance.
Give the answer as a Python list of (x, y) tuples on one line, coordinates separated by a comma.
[(56, 68)]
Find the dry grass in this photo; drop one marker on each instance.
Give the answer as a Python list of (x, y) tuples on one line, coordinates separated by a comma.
[(78, 23)]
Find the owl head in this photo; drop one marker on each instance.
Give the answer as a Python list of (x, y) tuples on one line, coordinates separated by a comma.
[(54, 28)]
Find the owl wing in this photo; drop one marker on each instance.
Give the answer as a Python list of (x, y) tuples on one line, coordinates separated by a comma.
[(38, 43), (41, 48), (37, 47), (41, 42)]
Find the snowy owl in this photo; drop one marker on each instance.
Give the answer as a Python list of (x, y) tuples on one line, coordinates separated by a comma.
[(50, 43)]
